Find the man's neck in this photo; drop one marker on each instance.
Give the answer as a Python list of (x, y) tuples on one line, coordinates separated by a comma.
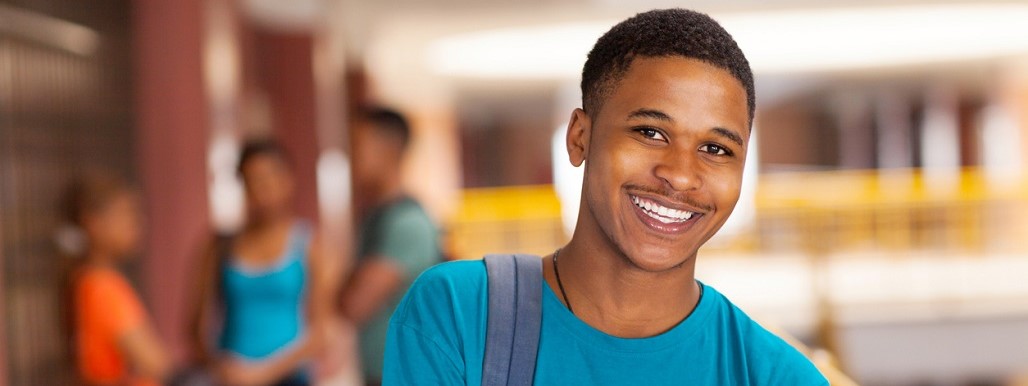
[(611, 294), (389, 191)]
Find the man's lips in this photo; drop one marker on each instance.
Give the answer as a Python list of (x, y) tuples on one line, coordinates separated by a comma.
[(660, 211), (664, 217)]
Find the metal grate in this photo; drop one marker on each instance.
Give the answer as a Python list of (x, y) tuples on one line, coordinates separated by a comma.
[(60, 111)]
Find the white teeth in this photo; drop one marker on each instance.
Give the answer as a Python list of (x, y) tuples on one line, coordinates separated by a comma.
[(662, 213), (667, 220), (682, 214)]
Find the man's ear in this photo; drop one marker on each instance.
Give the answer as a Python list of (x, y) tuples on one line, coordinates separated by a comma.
[(579, 132)]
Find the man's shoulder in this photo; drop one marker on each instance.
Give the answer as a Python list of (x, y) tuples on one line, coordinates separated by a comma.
[(454, 275), (407, 207), (445, 289), (731, 316), (771, 357), (405, 216)]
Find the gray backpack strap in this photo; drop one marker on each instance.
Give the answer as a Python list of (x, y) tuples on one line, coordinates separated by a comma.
[(515, 317)]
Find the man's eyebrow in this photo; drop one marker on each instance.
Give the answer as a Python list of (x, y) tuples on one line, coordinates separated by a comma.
[(650, 113), (730, 134), (662, 116)]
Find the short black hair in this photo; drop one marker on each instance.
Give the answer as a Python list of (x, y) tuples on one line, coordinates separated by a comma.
[(261, 147), (661, 33), (388, 121)]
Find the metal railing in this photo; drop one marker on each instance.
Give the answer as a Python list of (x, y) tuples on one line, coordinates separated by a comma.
[(893, 210)]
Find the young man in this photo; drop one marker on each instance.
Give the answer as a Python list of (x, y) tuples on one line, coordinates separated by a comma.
[(398, 240), (667, 109)]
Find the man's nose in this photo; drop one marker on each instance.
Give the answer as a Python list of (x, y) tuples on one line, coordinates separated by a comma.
[(679, 169)]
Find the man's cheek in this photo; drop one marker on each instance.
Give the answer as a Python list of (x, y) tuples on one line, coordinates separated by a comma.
[(730, 197)]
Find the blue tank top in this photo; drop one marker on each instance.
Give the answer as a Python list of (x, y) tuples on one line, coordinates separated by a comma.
[(264, 307)]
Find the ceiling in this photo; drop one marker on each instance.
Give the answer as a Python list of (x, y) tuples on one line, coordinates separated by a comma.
[(392, 37), (360, 20)]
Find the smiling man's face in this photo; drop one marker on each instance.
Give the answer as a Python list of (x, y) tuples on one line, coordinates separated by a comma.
[(664, 159)]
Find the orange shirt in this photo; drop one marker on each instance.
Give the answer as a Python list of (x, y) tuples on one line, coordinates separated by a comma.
[(106, 307)]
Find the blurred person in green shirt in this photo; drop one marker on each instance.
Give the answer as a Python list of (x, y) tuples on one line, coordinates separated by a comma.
[(397, 239)]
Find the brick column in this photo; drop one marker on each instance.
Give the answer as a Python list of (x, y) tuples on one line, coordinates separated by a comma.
[(172, 123), (288, 75)]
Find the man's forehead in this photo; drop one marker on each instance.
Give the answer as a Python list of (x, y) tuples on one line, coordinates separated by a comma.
[(665, 90)]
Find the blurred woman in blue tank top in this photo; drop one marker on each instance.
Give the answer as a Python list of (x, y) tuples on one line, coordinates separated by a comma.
[(267, 289)]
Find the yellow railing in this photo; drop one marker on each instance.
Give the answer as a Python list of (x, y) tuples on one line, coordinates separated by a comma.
[(892, 210), (810, 211), (505, 220)]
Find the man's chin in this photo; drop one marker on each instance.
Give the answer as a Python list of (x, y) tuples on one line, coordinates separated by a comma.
[(659, 260)]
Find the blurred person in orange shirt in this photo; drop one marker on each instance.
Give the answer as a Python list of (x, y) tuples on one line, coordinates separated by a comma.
[(114, 341), (271, 284)]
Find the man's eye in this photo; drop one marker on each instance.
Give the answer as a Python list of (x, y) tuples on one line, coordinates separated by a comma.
[(714, 149), (651, 133)]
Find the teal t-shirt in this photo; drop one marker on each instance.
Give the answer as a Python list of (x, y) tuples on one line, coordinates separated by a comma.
[(437, 337), (403, 233)]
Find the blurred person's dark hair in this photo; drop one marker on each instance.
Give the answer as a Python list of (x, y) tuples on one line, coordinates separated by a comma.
[(90, 192), (261, 147), (388, 121), (660, 33)]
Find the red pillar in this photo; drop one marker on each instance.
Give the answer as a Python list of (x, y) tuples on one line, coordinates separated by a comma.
[(288, 75), (172, 123), (3, 306)]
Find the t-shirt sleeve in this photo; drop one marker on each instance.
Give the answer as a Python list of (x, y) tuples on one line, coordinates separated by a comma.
[(792, 368), (112, 305), (412, 357), (435, 336), (407, 239)]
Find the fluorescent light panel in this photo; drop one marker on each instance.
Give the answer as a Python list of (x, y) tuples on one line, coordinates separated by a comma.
[(774, 41)]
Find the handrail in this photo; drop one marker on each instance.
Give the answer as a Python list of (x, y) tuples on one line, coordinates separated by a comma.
[(866, 188)]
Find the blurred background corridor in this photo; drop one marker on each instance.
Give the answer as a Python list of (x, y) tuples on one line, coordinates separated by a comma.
[(884, 216)]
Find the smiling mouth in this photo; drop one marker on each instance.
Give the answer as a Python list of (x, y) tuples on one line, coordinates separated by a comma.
[(662, 213)]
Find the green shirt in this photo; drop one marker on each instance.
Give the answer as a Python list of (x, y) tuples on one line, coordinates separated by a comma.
[(402, 232)]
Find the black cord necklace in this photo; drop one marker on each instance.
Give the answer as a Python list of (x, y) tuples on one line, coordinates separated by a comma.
[(564, 294), (556, 272)]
